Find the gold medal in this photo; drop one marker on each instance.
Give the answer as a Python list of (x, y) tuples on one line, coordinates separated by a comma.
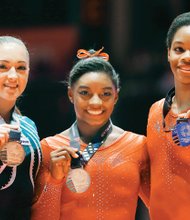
[(78, 180)]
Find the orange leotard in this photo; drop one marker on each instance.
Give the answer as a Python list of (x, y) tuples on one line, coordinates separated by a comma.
[(116, 172), (170, 169)]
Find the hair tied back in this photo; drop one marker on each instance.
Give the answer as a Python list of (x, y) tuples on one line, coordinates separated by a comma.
[(83, 54)]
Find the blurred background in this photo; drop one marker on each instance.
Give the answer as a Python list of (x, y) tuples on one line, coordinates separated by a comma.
[(133, 32)]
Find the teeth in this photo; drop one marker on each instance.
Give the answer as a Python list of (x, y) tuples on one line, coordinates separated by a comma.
[(12, 87), (185, 69), (92, 112)]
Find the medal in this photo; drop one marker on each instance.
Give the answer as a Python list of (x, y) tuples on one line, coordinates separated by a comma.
[(78, 180), (12, 153), (181, 132)]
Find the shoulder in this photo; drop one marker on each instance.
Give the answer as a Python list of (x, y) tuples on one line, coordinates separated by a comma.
[(24, 120), (28, 127), (135, 146), (138, 144), (156, 109), (56, 141), (117, 131), (126, 136), (136, 139), (127, 139), (157, 105)]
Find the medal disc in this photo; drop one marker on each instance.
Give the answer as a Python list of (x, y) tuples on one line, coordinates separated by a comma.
[(12, 154), (181, 133), (78, 180)]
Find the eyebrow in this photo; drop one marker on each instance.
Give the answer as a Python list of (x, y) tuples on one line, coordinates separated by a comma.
[(86, 87), (178, 42), (6, 61)]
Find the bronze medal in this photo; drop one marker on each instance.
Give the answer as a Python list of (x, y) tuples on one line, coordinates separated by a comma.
[(78, 180), (12, 154)]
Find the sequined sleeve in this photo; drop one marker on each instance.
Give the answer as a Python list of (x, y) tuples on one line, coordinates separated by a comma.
[(145, 177), (48, 190)]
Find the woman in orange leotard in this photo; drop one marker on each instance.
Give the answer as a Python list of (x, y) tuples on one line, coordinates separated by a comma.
[(94, 169), (168, 136)]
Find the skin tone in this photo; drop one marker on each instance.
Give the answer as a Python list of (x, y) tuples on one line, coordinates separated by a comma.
[(14, 72), (93, 96), (179, 59)]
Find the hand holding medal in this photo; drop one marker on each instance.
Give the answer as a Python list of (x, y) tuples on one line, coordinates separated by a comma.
[(60, 161), (12, 152), (4, 133), (65, 161)]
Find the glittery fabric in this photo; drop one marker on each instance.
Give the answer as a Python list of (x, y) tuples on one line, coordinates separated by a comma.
[(116, 173), (170, 169)]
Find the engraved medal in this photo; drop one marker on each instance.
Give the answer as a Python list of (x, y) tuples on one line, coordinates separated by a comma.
[(78, 180), (181, 132), (12, 153)]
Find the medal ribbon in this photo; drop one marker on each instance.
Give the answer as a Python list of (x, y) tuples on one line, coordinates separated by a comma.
[(167, 107), (91, 148)]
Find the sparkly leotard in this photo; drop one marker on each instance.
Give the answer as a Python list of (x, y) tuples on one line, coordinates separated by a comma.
[(116, 173), (170, 169)]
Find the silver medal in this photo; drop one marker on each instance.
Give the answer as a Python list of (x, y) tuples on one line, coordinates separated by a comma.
[(78, 180)]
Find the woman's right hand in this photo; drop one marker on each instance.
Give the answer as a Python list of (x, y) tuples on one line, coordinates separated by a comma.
[(61, 161), (4, 133), (185, 115)]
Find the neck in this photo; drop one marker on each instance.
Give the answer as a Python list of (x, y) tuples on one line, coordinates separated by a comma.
[(6, 110), (87, 133), (181, 100), (6, 116)]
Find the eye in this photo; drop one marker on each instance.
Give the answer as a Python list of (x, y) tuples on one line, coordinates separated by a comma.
[(2, 66), (84, 93), (21, 68), (107, 94), (179, 50)]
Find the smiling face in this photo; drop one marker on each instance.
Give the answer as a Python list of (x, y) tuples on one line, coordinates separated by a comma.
[(94, 96), (179, 55), (14, 71)]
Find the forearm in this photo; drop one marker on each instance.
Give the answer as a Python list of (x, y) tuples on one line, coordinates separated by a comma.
[(47, 205)]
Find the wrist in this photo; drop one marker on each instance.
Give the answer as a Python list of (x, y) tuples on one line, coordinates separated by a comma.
[(55, 179)]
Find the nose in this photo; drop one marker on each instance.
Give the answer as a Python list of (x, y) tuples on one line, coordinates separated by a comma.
[(12, 74), (95, 100), (186, 56)]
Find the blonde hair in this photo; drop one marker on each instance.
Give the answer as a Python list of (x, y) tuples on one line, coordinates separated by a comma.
[(11, 39)]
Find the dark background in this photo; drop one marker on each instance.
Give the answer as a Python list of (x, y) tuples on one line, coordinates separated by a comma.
[(133, 32)]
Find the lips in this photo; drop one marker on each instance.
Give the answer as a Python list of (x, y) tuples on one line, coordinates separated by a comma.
[(184, 67)]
